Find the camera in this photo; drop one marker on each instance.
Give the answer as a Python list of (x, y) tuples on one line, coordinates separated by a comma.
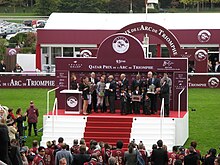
[(22, 140)]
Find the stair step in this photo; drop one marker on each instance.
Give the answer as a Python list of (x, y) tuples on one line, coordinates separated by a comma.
[(105, 134), (109, 119), (110, 129), (107, 139), (108, 124)]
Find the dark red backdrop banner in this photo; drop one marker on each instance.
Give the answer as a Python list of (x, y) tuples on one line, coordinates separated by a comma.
[(123, 53)]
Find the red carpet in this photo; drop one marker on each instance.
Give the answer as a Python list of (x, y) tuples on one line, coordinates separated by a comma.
[(108, 129)]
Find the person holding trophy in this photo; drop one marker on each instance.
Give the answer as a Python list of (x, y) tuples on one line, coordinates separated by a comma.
[(153, 88), (111, 92), (136, 100)]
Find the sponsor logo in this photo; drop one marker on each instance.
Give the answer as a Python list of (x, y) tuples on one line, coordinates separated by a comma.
[(213, 82), (201, 55), (12, 52), (120, 44), (86, 53), (204, 36), (167, 63), (72, 101), (186, 55), (75, 65)]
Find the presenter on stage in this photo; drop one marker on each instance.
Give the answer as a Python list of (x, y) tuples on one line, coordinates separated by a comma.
[(153, 86), (84, 87), (111, 91), (73, 82), (123, 83), (165, 94)]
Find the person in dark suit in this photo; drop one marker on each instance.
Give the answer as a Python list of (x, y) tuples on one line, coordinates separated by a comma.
[(4, 144), (137, 82), (123, 83), (159, 156), (210, 157), (192, 158), (82, 157), (129, 102), (111, 93), (153, 83), (93, 80), (136, 102), (123, 99), (165, 94)]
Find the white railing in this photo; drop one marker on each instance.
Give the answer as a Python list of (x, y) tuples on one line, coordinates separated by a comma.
[(161, 117), (28, 73), (55, 107), (48, 98), (162, 108), (179, 101)]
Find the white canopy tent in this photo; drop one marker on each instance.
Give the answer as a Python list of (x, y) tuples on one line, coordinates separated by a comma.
[(106, 21)]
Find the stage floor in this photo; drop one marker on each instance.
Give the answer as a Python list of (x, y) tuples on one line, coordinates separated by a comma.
[(173, 114)]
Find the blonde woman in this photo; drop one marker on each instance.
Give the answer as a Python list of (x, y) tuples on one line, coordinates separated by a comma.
[(84, 87)]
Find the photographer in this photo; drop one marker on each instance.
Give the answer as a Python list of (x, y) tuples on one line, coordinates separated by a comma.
[(20, 121)]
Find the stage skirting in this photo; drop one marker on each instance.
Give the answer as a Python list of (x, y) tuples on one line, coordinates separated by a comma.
[(109, 128)]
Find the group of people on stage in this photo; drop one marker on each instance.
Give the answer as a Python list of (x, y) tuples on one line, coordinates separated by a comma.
[(139, 94)]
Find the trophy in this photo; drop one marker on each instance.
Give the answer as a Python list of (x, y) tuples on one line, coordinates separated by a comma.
[(151, 89)]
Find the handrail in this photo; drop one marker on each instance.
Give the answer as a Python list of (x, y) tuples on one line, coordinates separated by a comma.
[(162, 108), (161, 117), (179, 101), (54, 107), (48, 98)]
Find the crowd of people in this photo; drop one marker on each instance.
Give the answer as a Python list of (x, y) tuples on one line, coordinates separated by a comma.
[(137, 96), (100, 153), (12, 132)]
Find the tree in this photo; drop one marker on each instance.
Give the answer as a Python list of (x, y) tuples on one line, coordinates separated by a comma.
[(199, 3), (3, 45), (46, 7), (119, 6), (83, 6), (165, 3)]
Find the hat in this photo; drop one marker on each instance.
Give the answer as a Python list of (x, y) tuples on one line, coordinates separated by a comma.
[(23, 150), (31, 102)]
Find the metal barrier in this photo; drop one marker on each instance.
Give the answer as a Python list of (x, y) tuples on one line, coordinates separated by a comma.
[(179, 101), (55, 107), (48, 98), (161, 117)]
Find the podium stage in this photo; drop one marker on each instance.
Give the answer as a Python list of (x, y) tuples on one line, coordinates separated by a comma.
[(109, 128)]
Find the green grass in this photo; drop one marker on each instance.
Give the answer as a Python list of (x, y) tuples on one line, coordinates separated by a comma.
[(15, 98), (204, 122)]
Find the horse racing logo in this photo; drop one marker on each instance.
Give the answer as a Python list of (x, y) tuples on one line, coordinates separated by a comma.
[(213, 82), (204, 36), (72, 101), (120, 44), (201, 55)]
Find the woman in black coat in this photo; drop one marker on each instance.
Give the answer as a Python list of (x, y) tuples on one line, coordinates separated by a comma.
[(20, 120)]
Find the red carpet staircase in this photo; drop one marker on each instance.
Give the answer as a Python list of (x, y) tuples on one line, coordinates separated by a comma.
[(108, 129)]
